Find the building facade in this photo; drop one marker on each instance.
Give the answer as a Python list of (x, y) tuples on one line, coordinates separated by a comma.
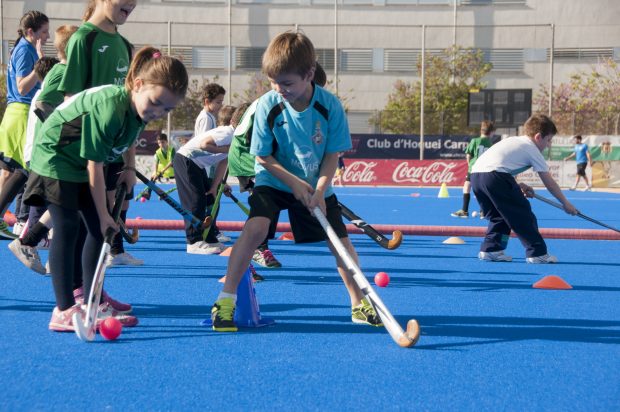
[(377, 41)]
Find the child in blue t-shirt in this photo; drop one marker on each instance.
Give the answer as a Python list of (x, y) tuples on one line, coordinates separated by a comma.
[(298, 131), (583, 158), (21, 84)]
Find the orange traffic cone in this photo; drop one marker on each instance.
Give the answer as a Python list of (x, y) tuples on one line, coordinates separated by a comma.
[(286, 236), (9, 218), (552, 282)]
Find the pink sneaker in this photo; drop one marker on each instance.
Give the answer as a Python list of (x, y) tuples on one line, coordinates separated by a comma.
[(119, 307), (62, 320), (106, 311), (78, 295)]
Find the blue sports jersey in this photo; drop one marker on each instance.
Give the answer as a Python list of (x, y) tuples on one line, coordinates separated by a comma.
[(298, 140), (580, 153), (21, 64)]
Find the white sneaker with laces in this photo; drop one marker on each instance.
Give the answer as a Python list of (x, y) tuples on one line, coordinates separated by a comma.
[(222, 238), (204, 248), (28, 255), (124, 259), (547, 258), (18, 227), (44, 244), (498, 256)]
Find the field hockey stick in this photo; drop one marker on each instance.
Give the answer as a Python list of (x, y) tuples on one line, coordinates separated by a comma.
[(397, 235), (588, 218), (171, 190), (404, 339), (85, 329), (130, 238), (243, 207), (193, 220), (216, 207), (146, 193)]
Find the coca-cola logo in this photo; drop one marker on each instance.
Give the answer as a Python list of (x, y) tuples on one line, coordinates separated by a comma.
[(360, 172), (433, 173)]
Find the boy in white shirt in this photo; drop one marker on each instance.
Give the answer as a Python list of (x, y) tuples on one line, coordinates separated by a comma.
[(190, 164), (503, 200)]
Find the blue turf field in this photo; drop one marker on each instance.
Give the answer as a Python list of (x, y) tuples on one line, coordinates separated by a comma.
[(490, 341)]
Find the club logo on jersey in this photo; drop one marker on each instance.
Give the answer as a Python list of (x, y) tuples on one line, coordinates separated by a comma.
[(103, 48), (317, 137), (116, 153), (122, 67), (305, 160)]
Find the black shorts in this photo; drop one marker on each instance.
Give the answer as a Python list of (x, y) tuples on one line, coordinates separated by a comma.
[(581, 169), (41, 190), (111, 173), (6, 163), (468, 177), (266, 201)]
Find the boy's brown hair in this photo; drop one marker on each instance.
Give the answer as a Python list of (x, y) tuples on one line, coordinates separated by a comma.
[(211, 91), (44, 65), (289, 52), (61, 38), (225, 115), (539, 123), (238, 114), (487, 127), (320, 77)]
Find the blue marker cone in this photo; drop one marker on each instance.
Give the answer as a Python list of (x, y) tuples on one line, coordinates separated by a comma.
[(247, 312)]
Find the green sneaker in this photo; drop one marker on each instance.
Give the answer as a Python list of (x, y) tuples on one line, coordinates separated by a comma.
[(222, 315), (364, 313), (5, 232)]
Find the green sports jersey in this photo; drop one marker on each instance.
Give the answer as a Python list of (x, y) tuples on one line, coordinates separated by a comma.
[(95, 58), (240, 160), (50, 93), (97, 124), (475, 148)]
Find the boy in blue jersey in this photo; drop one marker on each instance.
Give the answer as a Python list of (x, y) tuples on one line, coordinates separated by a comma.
[(583, 158), (299, 128)]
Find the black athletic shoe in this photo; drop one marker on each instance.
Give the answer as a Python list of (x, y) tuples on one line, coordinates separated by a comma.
[(255, 275), (364, 313), (222, 315)]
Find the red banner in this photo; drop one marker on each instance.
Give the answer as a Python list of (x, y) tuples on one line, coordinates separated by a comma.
[(390, 172)]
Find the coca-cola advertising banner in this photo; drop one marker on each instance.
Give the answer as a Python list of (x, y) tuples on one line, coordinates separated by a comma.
[(390, 172), (399, 146)]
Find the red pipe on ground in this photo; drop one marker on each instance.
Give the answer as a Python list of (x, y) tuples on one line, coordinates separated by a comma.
[(466, 231)]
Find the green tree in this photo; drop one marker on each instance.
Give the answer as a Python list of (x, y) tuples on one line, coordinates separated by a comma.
[(449, 77), (589, 102)]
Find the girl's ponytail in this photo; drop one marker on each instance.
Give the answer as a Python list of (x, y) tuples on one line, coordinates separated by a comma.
[(31, 20), (150, 65)]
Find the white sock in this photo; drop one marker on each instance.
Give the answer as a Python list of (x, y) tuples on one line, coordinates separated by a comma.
[(223, 295)]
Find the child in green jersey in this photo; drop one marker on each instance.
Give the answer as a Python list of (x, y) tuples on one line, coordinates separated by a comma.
[(92, 128), (473, 151)]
